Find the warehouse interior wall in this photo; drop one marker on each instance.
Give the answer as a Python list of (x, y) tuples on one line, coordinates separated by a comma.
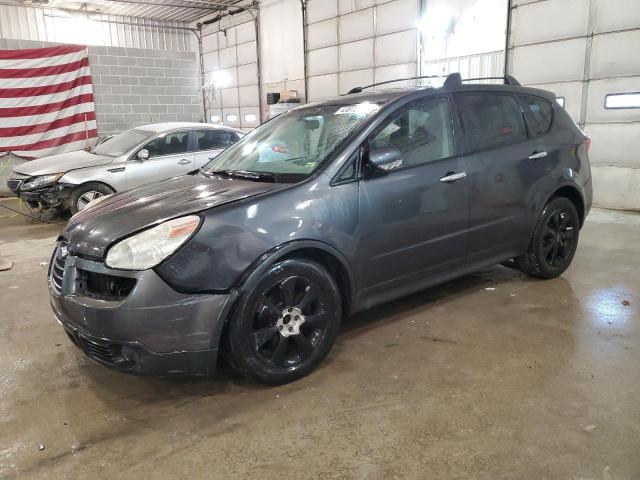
[(135, 86), (282, 48), (22, 22), (359, 42), (466, 36), (586, 51), (231, 74), (132, 86)]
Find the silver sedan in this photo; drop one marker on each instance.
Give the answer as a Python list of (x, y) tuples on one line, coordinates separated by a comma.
[(135, 157)]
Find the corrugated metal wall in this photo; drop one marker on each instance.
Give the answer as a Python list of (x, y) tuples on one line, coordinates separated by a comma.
[(359, 42), (584, 50), (490, 64), (51, 25), (230, 62)]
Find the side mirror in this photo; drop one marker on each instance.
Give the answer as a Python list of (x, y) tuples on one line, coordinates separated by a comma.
[(143, 154), (386, 158)]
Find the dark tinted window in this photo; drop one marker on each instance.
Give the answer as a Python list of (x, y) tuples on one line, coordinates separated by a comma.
[(540, 113), (423, 133), (214, 139), (172, 143), (491, 121)]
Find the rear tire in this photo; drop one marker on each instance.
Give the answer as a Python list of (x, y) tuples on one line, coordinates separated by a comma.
[(85, 193), (285, 326), (554, 240)]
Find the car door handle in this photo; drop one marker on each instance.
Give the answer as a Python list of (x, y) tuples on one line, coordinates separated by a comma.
[(184, 161), (536, 155), (451, 177)]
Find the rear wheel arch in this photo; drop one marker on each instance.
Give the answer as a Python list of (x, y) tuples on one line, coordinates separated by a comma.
[(572, 193)]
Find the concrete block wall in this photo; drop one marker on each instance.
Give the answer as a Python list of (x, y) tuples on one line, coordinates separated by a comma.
[(134, 86)]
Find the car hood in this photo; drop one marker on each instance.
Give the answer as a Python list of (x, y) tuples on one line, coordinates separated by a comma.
[(92, 231), (61, 163)]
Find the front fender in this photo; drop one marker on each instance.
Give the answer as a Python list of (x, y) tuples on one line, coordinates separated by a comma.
[(113, 175), (256, 270)]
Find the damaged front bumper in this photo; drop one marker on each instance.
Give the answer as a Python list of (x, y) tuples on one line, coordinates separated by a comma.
[(133, 321), (50, 196)]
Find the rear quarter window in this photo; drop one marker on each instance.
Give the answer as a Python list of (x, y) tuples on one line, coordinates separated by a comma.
[(539, 112), (491, 120)]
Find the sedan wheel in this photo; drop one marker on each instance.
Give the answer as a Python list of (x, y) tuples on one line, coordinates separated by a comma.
[(86, 193), (86, 198)]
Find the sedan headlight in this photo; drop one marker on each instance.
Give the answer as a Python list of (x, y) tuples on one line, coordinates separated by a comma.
[(149, 247), (41, 181)]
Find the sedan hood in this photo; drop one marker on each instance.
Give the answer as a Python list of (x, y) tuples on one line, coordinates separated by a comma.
[(61, 163), (93, 230)]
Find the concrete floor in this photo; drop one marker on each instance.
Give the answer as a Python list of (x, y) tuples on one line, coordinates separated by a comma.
[(492, 376)]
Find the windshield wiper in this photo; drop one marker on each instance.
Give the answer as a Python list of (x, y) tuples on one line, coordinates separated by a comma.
[(244, 174), (205, 173)]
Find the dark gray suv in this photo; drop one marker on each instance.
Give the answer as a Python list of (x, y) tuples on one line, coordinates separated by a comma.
[(329, 209)]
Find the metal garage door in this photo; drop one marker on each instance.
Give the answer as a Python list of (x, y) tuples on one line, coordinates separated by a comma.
[(586, 52), (359, 42), (230, 63)]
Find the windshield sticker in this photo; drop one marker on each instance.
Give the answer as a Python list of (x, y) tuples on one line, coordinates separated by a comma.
[(358, 109)]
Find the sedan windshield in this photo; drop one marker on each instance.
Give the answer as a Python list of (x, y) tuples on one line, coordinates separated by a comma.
[(292, 145), (122, 142)]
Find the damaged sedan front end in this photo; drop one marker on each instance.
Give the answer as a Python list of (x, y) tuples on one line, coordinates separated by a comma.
[(40, 191)]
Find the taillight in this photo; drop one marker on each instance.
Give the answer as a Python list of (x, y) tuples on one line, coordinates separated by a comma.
[(587, 144)]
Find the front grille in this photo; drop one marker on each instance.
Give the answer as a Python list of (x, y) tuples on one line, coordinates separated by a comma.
[(14, 183), (56, 273)]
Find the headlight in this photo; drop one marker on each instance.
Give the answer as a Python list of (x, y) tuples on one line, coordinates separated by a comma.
[(150, 247), (41, 181)]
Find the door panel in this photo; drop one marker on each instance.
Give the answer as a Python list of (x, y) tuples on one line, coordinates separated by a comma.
[(503, 180), (169, 156), (413, 224)]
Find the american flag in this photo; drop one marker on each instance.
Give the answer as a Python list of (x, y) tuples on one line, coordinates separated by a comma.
[(46, 101)]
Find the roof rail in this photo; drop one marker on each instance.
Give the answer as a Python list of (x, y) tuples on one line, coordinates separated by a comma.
[(452, 80), (359, 89)]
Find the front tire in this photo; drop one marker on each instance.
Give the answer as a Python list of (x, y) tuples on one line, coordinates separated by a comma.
[(285, 326), (554, 240), (85, 193)]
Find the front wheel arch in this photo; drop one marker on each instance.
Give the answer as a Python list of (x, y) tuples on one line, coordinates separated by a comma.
[(320, 252), (77, 190)]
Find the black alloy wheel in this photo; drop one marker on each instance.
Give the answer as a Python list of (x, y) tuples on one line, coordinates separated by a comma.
[(554, 240), (286, 325), (558, 237), (290, 321)]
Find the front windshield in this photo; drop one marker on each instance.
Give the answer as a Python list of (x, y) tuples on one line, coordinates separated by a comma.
[(295, 143), (123, 142)]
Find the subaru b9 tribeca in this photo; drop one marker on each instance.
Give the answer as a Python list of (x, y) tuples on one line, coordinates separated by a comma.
[(326, 210)]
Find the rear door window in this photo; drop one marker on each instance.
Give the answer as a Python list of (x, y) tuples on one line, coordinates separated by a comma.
[(491, 120), (211, 139), (539, 113)]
